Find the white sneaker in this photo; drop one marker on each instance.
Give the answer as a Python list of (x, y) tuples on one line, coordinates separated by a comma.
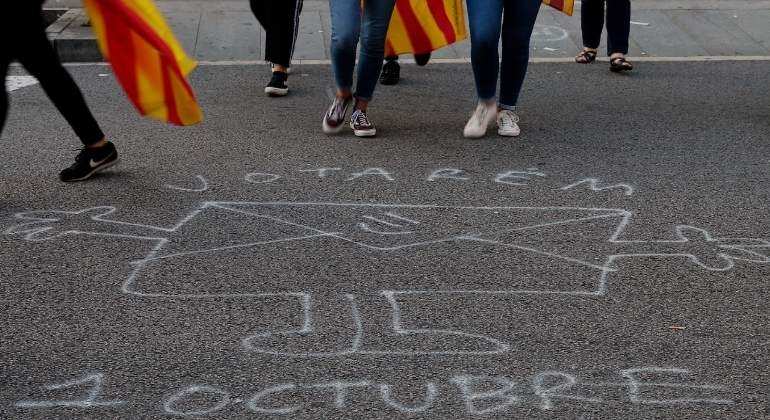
[(508, 123), (477, 126)]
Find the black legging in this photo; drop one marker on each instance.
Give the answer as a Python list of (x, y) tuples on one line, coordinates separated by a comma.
[(280, 19), (592, 17), (22, 38)]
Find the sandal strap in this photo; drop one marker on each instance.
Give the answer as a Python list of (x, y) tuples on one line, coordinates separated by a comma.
[(587, 55)]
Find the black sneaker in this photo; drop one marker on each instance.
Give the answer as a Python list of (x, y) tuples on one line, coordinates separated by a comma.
[(361, 125), (334, 119), (277, 85), (422, 59), (89, 161), (391, 73)]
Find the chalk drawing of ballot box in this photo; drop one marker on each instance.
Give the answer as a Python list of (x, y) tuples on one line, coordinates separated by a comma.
[(307, 250), (251, 248)]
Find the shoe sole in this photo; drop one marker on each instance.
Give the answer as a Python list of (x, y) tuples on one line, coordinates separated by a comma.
[(275, 92), (508, 134), (474, 136), (331, 130), (365, 133), (620, 69), (94, 171)]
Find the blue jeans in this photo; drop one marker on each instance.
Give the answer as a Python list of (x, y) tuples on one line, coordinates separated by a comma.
[(349, 24), (518, 21)]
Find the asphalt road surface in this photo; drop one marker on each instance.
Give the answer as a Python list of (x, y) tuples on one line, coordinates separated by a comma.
[(612, 262)]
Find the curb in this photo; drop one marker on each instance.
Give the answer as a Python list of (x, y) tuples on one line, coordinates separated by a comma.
[(72, 38)]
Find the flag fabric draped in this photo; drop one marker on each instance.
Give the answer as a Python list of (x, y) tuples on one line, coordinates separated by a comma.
[(421, 26), (565, 6), (146, 58)]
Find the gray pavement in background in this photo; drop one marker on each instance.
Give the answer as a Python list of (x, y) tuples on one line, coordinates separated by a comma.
[(226, 31), (610, 263)]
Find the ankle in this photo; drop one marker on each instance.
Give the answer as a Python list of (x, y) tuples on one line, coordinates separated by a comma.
[(101, 143), (280, 68), (344, 95), (361, 106)]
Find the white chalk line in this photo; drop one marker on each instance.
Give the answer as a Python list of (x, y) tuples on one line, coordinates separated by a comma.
[(204, 185), (91, 400), (13, 83)]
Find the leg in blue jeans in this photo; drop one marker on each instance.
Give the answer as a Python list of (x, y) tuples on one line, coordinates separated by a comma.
[(348, 25), (518, 23), (484, 19), (346, 29), (374, 28)]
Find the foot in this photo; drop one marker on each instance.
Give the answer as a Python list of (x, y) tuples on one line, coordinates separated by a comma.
[(588, 55), (334, 120), (277, 85), (477, 126), (391, 73), (619, 63), (89, 161), (361, 125), (422, 59), (508, 123)]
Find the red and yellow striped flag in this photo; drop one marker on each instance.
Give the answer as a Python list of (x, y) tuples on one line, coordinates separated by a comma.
[(146, 58), (566, 6), (421, 26)]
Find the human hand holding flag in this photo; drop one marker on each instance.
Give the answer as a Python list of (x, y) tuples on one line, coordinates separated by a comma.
[(146, 57)]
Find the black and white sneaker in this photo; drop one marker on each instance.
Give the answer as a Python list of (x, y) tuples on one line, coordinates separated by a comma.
[(361, 125), (334, 119), (277, 85), (89, 161)]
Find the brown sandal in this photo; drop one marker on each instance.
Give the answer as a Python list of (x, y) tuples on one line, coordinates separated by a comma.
[(585, 57), (619, 64)]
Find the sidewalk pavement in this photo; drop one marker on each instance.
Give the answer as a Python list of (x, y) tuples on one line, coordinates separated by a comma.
[(216, 31)]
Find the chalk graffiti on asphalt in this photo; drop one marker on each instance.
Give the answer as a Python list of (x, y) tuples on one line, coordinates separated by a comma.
[(511, 177), (473, 394), (388, 233)]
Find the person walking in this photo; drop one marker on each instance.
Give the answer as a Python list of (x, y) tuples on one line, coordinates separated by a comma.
[(618, 15), (280, 20), (490, 21), (351, 22), (23, 38)]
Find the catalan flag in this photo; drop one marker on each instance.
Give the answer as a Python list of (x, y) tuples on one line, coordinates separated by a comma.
[(566, 6), (146, 58), (421, 26)]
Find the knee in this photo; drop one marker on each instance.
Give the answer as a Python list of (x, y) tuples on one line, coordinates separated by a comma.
[(344, 41), (485, 40), (50, 70), (373, 35), (372, 45)]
